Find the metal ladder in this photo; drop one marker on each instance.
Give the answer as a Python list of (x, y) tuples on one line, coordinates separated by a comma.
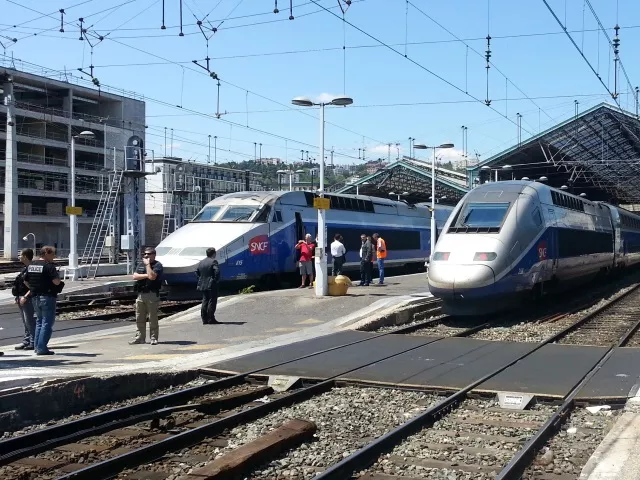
[(97, 235), (168, 216)]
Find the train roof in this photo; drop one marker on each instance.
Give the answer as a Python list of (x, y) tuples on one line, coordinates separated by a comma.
[(302, 197)]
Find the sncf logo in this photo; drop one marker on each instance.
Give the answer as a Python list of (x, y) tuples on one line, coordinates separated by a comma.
[(259, 245)]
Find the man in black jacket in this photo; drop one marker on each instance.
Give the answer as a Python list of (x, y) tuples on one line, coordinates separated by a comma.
[(208, 273), (44, 285), (19, 290), (366, 256)]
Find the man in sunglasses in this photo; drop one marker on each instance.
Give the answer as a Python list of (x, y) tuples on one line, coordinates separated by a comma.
[(148, 279)]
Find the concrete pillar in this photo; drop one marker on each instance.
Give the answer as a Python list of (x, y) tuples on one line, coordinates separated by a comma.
[(11, 178)]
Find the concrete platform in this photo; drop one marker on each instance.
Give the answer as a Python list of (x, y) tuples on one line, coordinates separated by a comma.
[(616, 458), (251, 323)]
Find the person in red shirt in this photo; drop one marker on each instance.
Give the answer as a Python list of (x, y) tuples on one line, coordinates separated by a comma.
[(306, 248)]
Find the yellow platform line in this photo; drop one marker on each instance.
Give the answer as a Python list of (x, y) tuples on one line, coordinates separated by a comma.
[(284, 329), (202, 347), (245, 338), (154, 356), (309, 321)]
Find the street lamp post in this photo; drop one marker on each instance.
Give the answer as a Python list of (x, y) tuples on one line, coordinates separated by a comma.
[(290, 173), (73, 219), (26, 237), (433, 190), (322, 287)]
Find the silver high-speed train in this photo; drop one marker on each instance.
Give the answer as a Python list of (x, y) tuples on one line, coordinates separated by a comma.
[(255, 233), (506, 240)]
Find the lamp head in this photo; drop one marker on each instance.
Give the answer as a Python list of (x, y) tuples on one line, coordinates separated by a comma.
[(446, 145), (420, 146), (25, 238), (341, 101), (302, 102), (86, 134)]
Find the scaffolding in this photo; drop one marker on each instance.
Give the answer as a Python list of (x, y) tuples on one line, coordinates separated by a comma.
[(179, 187)]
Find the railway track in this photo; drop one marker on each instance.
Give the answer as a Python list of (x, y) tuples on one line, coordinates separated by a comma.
[(376, 434)]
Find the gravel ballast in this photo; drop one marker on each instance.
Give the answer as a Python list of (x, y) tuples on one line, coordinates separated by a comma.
[(478, 437), (347, 419)]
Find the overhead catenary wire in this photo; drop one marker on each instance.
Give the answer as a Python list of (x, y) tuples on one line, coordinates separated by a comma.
[(581, 52), (302, 112), (481, 55), (416, 63)]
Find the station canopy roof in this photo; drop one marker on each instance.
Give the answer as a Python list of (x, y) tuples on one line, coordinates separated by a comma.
[(596, 152), (411, 179)]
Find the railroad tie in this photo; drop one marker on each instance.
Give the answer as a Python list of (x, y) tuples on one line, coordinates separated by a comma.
[(243, 459)]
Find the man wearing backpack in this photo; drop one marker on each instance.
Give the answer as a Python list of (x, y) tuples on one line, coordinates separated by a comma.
[(19, 290)]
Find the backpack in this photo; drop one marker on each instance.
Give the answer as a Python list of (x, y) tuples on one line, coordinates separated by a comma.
[(19, 288)]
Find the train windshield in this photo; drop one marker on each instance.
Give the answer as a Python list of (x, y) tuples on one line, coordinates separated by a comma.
[(238, 213), (482, 215), (207, 214)]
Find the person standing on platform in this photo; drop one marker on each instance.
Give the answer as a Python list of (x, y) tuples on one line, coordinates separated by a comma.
[(305, 263), (44, 284), (208, 273), (19, 290), (148, 279), (366, 255), (381, 254), (338, 253)]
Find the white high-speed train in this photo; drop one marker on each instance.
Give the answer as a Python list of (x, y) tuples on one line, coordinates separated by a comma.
[(506, 240), (254, 233)]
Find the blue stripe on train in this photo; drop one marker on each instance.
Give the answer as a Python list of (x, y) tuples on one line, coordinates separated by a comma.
[(518, 279), (280, 256)]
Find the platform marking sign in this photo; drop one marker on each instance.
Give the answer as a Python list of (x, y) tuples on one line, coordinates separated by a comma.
[(514, 401), (321, 203), (73, 211)]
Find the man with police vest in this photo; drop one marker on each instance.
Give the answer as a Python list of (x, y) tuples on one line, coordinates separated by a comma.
[(381, 254), (208, 273), (148, 279), (44, 284)]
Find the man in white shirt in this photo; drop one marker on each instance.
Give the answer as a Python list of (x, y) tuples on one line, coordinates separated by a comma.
[(338, 253)]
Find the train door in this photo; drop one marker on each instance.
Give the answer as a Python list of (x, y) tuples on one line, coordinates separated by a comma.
[(300, 230), (553, 247)]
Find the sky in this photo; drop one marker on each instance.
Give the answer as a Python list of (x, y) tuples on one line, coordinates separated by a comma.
[(413, 68)]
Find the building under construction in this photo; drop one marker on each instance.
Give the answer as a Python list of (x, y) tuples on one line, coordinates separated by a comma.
[(39, 115)]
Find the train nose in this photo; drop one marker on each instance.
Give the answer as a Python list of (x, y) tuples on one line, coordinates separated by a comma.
[(461, 280)]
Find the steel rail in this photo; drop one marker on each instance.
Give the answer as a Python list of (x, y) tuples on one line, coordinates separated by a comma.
[(367, 455), (111, 467), (38, 441), (525, 456)]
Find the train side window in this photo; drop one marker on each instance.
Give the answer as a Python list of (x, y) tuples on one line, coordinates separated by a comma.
[(277, 217), (264, 215), (537, 219), (553, 198)]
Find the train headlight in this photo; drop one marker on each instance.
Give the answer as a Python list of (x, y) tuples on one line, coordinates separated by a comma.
[(441, 256), (484, 256)]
